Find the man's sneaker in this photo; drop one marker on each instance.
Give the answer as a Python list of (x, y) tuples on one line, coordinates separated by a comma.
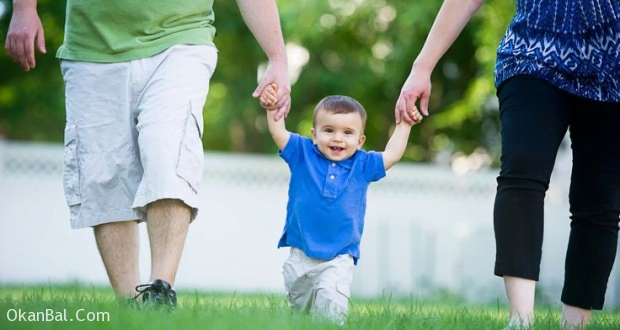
[(159, 293)]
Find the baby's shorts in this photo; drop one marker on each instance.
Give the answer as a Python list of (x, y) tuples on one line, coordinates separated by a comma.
[(319, 287), (134, 133)]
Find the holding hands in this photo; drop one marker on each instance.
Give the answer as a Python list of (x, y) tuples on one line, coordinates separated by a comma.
[(280, 97), (417, 87), (269, 101), (268, 98), (277, 128), (415, 115)]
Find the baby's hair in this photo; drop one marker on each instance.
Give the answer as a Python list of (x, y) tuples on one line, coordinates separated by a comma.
[(340, 104)]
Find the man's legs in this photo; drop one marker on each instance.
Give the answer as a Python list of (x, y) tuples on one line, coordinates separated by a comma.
[(119, 162), (167, 222), (118, 246), (102, 169), (174, 89)]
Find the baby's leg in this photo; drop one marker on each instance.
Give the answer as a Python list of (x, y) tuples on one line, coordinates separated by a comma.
[(319, 287), (333, 288), (298, 285)]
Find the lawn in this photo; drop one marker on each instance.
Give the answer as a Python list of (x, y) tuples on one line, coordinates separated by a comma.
[(96, 308)]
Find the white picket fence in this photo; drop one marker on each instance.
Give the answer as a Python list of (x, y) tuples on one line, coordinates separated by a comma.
[(428, 230)]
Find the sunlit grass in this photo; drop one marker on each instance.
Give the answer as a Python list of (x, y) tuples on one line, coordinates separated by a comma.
[(206, 310)]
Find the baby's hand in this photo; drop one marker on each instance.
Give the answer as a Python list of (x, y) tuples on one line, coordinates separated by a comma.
[(268, 97), (416, 115)]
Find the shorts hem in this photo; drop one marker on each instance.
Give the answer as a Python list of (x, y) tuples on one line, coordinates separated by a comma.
[(87, 219), (140, 204)]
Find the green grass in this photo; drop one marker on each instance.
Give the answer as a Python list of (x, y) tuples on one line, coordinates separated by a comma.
[(204, 310)]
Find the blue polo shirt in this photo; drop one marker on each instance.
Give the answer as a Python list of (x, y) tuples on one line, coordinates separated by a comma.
[(327, 199)]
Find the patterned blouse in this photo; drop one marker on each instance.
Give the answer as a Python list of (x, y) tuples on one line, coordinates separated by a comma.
[(573, 44)]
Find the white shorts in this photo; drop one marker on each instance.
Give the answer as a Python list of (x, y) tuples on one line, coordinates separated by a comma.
[(320, 287), (134, 133)]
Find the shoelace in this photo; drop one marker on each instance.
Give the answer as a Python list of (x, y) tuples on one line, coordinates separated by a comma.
[(142, 288)]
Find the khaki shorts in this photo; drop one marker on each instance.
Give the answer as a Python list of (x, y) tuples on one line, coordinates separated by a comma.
[(134, 133), (320, 287)]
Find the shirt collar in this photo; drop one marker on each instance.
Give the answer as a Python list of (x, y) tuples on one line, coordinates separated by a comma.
[(347, 163)]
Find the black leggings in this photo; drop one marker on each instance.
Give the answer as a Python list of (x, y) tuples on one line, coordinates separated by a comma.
[(534, 117)]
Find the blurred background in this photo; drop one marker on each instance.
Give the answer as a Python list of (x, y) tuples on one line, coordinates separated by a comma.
[(359, 48), (429, 224)]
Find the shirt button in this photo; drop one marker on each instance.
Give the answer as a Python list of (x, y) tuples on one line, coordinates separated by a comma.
[(333, 164), (332, 177)]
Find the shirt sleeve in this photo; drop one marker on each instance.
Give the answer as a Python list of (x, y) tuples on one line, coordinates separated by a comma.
[(374, 169), (292, 150)]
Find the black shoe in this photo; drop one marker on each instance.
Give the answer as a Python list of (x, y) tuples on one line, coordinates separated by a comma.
[(157, 294)]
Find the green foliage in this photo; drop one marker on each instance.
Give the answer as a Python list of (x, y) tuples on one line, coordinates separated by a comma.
[(359, 48), (32, 104)]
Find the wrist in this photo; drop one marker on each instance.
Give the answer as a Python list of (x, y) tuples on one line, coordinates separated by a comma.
[(277, 58), (421, 67), (404, 125), (19, 5)]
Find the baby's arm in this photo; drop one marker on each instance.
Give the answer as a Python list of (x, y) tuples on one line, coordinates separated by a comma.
[(395, 147), (277, 128)]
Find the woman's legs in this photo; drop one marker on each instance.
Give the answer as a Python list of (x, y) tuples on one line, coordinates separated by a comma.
[(534, 118), (520, 293), (595, 208)]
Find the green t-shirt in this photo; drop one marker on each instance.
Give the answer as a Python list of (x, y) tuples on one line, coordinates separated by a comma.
[(122, 30)]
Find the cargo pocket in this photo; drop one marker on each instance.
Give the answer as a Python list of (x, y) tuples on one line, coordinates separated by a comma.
[(344, 289), (71, 170), (191, 154)]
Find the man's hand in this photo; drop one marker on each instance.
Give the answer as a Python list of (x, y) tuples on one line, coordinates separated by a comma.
[(277, 74), (25, 30)]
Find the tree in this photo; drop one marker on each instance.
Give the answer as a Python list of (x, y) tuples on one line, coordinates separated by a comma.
[(32, 105), (354, 47)]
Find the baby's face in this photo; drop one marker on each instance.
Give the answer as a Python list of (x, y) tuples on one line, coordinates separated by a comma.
[(338, 136)]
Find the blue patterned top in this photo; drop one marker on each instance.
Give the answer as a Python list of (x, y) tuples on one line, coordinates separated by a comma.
[(573, 44)]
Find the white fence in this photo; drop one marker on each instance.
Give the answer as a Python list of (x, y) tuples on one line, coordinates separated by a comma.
[(427, 229)]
